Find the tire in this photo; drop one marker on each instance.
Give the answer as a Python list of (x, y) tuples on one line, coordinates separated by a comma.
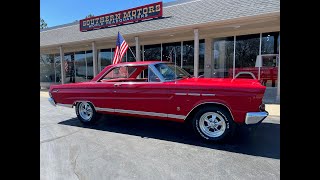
[(220, 128), (86, 113)]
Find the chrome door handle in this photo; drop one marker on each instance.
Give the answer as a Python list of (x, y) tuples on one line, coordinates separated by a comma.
[(116, 85)]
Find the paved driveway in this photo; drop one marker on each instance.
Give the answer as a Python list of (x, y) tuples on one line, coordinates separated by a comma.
[(132, 148)]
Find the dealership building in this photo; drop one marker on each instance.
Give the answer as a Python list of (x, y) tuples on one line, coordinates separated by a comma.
[(208, 38)]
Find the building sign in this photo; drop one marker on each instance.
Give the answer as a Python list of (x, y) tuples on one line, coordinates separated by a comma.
[(133, 15)]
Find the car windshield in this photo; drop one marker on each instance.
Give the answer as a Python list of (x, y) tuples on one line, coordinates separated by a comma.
[(171, 71)]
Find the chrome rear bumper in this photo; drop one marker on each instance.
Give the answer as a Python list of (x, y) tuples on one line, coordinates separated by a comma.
[(255, 117), (51, 101)]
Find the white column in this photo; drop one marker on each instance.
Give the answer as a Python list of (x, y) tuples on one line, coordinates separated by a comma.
[(161, 52), (63, 71), (260, 63), (196, 53), (278, 88), (99, 61), (181, 54), (142, 52), (94, 58), (208, 57), (137, 49), (222, 57)]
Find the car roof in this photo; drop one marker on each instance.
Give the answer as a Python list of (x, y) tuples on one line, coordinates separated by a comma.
[(140, 63)]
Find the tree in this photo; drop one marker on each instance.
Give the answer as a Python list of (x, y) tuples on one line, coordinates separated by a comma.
[(43, 24), (90, 15)]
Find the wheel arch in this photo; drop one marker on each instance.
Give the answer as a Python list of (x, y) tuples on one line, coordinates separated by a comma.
[(195, 109)]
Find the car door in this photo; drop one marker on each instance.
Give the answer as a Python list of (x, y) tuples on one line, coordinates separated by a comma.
[(148, 99), (103, 91)]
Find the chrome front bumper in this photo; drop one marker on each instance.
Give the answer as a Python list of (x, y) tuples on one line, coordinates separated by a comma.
[(255, 117), (51, 101)]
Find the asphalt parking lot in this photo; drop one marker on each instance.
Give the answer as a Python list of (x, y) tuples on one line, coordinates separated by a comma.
[(133, 148)]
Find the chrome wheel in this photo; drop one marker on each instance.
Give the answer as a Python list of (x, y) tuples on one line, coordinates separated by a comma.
[(85, 111), (212, 124)]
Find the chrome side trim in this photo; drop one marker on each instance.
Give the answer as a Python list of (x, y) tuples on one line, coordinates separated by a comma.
[(141, 113), (255, 117), (208, 95), (180, 94), (176, 116), (193, 94), (209, 103), (104, 109), (65, 105)]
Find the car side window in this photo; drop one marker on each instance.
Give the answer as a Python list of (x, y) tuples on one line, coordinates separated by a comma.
[(153, 77), (116, 73)]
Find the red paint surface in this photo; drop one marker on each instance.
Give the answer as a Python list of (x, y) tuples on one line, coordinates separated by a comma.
[(239, 95)]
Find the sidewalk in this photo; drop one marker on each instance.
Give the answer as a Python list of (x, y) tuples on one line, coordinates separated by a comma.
[(273, 109)]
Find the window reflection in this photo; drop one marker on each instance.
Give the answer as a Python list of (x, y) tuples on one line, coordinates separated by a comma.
[(47, 71), (188, 56), (89, 59), (69, 68), (152, 52), (80, 66), (168, 53), (57, 66), (223, 57), (270, 59), (130, 57), (105, 58)]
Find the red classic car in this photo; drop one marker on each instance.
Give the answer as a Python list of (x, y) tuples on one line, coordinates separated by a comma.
[(153, 89)]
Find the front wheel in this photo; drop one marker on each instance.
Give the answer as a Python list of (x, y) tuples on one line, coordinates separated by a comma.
[(213, 123), (86, 113)]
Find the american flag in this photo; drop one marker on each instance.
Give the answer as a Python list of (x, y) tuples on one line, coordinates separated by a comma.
[(121, 48), (66, 66)]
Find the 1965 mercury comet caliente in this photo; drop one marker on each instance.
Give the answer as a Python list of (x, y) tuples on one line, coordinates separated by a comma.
[(161, 90)]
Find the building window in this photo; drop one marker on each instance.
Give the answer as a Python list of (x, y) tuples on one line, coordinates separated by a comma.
[(222, 66), (47, 70), (152, 52), (188, 56), (69, 67), (89, 59), (80, 66), (201, 56), (57, 67), (248, 62), (269, 59), (105, 58), (168, 53), (130, 56), (247, 50)]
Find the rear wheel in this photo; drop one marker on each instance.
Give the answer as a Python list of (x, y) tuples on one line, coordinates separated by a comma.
[(86, 113), (213, 123)]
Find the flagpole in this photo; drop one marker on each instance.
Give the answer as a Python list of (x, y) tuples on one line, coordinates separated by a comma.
[(132, 53)]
